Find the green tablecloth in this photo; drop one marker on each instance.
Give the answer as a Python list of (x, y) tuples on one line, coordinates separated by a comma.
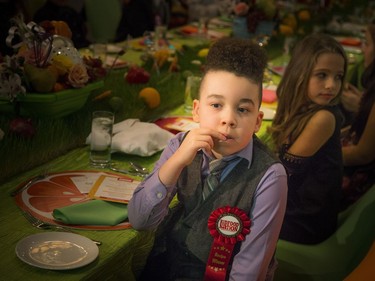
[(123, 252), (121, 255)]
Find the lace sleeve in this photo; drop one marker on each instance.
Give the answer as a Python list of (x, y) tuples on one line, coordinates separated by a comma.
[(293, 164)]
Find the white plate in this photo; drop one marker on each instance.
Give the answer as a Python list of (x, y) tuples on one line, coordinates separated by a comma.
[(113, 48), (269, 113), (57, 250), (110, 48)]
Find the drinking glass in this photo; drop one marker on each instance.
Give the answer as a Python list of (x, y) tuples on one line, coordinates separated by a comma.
[(100, 51), (101, 139)]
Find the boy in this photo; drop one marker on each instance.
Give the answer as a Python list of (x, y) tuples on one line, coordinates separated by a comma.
[(251, 195)]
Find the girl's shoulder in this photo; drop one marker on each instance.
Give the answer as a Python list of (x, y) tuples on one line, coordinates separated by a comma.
[(323, 114), (329, 113), (327, 118)]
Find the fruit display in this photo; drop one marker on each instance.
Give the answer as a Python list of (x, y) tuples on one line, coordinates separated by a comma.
[(150, 96), (44, 61), (137, 75)]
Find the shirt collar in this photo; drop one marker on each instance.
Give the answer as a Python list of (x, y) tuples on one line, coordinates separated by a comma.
[(246, 153)]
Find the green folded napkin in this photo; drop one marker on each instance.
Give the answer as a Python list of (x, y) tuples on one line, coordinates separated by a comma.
[(93, 212)]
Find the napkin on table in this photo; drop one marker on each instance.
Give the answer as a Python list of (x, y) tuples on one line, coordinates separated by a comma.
[(132, 136), (93, 212)]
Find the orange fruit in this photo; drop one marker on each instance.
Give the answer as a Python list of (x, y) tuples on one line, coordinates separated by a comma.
[(58, 87), (290, 20), (286, 30), (150, 96), (304, 15)]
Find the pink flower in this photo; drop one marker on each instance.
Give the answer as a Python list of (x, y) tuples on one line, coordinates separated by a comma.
[(78, 76), (241, 9)]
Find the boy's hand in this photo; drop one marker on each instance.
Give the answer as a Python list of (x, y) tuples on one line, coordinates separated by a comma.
[(196, 139)]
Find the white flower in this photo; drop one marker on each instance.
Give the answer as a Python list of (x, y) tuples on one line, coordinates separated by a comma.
[(11, 86)]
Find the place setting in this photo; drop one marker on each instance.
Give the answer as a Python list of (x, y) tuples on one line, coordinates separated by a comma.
[(57, 250), (96, 198)]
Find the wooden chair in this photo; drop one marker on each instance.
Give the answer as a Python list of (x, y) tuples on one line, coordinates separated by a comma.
[(336, 257)]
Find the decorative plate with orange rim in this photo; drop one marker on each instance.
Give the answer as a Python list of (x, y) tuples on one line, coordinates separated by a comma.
[(58, 190)]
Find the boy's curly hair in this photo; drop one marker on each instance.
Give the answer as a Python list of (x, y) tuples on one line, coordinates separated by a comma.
[(241, 57)]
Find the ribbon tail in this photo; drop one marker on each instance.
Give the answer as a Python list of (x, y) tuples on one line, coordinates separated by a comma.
[(218, 261)]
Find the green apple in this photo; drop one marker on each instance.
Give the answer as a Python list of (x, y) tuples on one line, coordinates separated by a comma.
[(41, 79)]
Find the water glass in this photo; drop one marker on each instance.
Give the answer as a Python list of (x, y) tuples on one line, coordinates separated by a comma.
[(100, 51), (101, 139), (191, 91)]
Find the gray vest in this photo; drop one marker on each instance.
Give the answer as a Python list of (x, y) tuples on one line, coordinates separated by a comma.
[(190, 232)]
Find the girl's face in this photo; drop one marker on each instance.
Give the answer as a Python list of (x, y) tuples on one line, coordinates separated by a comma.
[(368, 48), (326, 78), (230, 105)]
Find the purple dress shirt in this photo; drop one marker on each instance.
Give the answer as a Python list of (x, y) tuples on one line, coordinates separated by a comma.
[(150, 201)]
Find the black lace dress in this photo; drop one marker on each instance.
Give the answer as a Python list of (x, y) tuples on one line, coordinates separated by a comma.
[(314, 190)]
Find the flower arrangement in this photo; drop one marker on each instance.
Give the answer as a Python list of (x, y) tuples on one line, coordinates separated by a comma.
[(296, 23), (44, 61)]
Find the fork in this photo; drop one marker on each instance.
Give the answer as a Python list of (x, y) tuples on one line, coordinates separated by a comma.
[(138, 168), (43, 225), (29, 183), (43, 174)]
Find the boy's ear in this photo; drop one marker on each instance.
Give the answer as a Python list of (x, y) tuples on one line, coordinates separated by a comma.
[(258, 123), (195, 111)]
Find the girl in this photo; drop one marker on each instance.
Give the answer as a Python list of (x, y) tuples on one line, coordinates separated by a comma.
[(306, 135), (358, 146)]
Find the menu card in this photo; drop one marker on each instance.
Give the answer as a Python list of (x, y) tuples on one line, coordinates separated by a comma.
[(115, 189)]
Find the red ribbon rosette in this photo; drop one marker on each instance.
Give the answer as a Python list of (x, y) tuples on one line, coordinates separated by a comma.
[(228, 225)]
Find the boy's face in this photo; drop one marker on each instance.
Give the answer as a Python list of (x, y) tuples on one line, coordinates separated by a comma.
[(230, 105)]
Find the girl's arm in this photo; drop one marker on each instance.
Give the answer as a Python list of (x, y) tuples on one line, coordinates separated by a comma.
[(364, 152), (316, 133)]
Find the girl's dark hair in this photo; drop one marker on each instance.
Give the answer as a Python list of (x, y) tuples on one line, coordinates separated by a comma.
[(241, 57)]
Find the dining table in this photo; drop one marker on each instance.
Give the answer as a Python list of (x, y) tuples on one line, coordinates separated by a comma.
[(123, 251)]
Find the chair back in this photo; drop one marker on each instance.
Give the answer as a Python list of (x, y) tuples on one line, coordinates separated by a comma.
[(103, 18), (336, 257)]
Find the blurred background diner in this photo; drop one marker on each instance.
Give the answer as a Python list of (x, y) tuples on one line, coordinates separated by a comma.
[(150, 48)]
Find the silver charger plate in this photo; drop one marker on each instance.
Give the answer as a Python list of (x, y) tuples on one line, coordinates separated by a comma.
[(57, 250)]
